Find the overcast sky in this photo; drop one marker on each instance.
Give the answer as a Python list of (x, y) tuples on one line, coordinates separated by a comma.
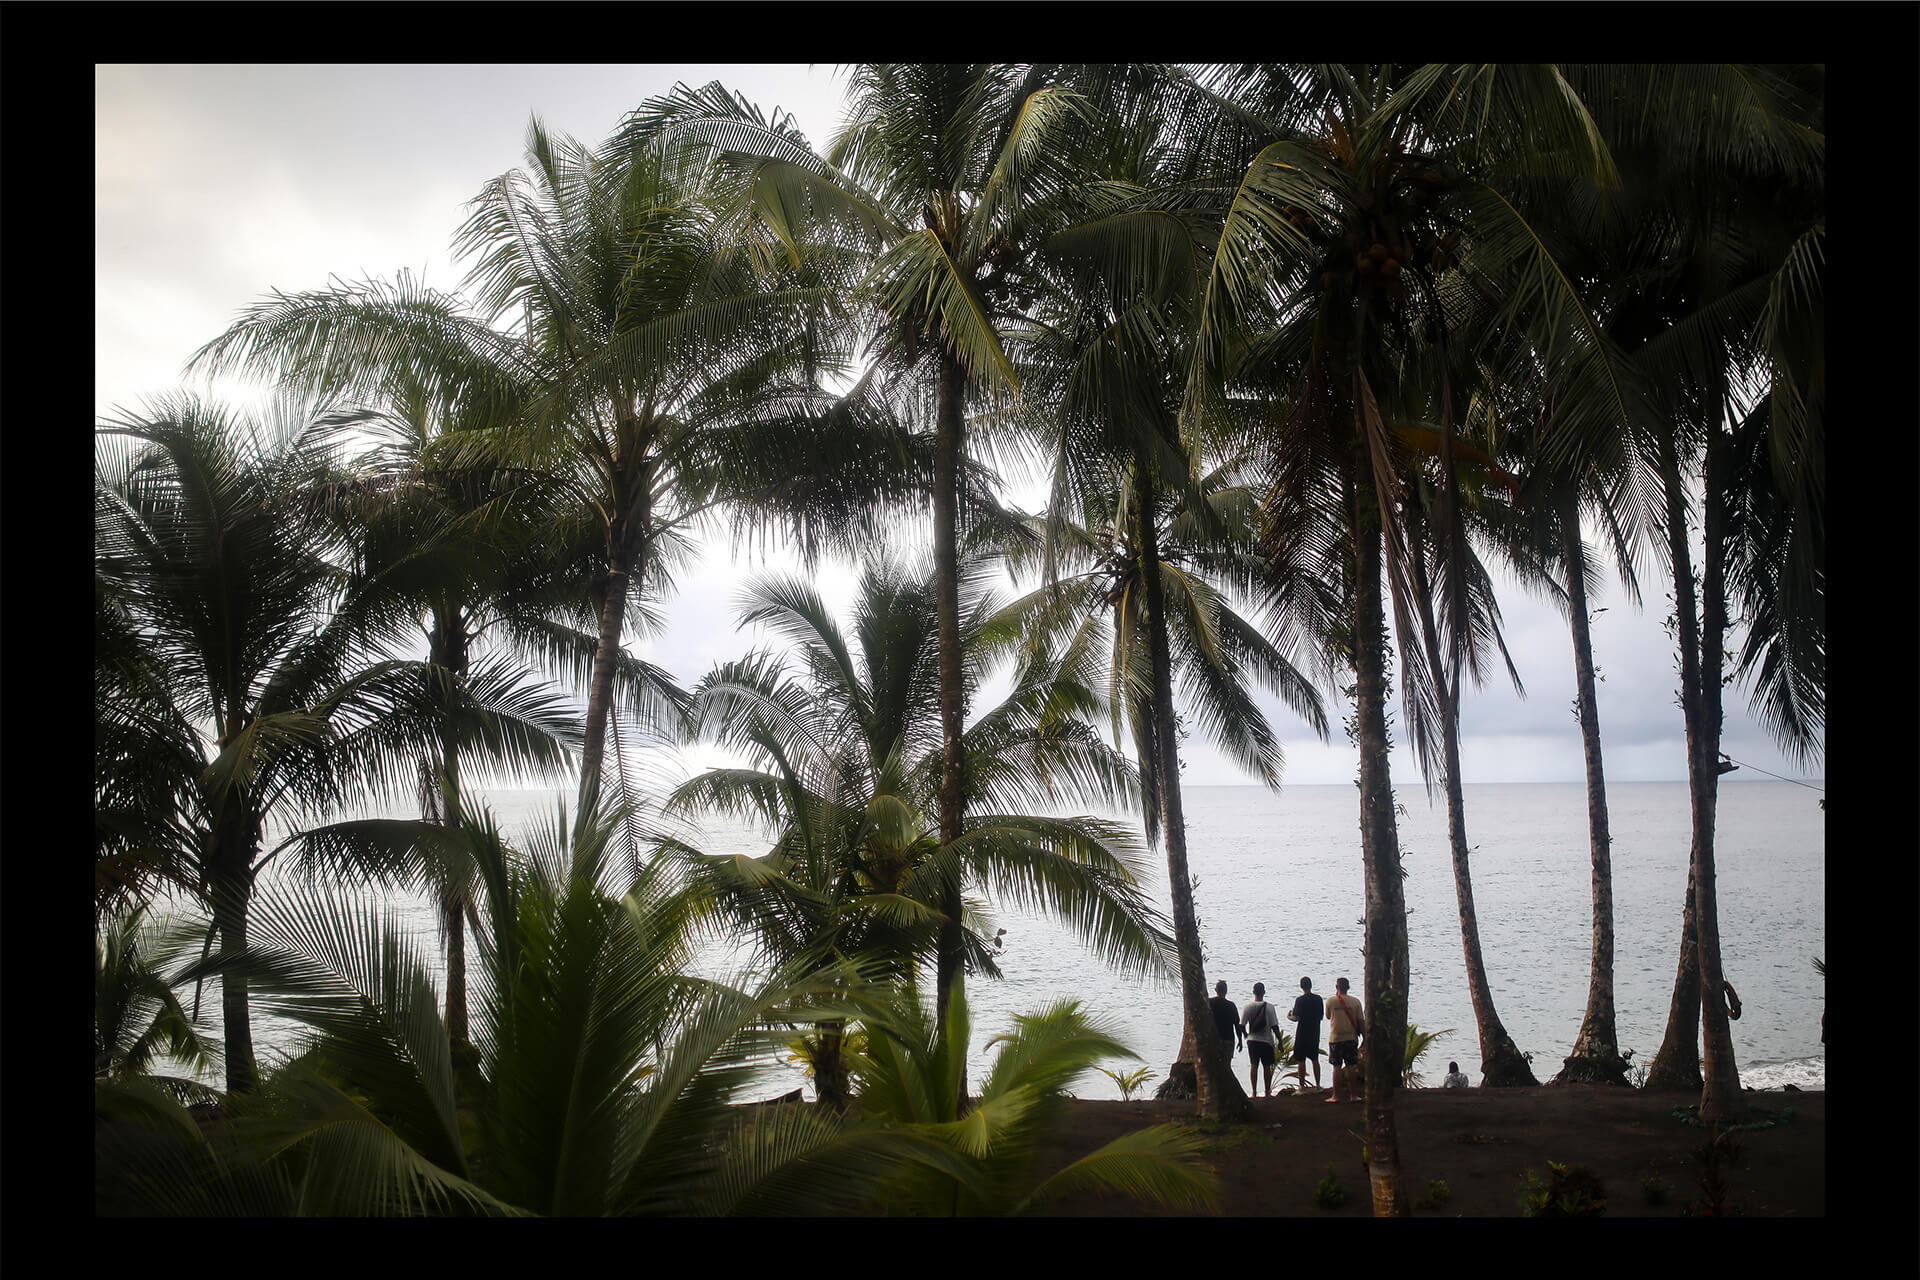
[(217, 184)]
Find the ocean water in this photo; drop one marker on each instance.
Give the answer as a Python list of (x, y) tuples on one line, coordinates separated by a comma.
[(1280, 896)]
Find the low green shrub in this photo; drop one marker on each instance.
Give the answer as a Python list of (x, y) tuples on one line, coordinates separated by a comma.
[(1329, 1194), (1565, 1193), (1130, 1082)]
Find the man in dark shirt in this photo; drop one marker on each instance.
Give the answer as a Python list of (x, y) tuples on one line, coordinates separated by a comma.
[(1226, 1018), (1305, 1015)]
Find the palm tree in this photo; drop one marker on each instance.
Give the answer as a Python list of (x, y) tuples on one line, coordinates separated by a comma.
[(656, 367), (1102, 357), (939, 185), (1608, 481), (1437, 534), (1419, 1042), (1717, 294), (1095, 609), (1353, 250), (253, 687), (1617, 243), (1763, 543), (468, 547), (475, 563), (843, 767), (1596, 1056)]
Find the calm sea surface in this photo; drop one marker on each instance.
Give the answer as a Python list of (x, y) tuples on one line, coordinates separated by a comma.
[(1280, 897)]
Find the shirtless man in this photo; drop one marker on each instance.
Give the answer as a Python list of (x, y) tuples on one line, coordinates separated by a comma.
[(1346, 1023)]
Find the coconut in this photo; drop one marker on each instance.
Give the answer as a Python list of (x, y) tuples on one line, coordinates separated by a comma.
[(1390, 268)]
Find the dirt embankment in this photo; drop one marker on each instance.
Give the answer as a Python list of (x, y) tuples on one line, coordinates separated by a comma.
[(1482, 1143)]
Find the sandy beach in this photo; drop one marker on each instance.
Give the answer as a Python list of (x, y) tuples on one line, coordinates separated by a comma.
[(1481, 1143)]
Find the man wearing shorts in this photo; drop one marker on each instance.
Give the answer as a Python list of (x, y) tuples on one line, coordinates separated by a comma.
[(1226, 1019), (1305, 1016), (1346, 1022), (1260, 1038)]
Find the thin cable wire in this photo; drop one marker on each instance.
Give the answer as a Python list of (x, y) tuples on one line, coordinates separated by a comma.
[(1757, 769)]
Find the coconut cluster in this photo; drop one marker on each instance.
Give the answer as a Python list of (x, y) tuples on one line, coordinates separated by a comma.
[(1398, 228)]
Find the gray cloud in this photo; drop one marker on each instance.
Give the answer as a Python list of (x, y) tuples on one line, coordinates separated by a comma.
[(216, 184)]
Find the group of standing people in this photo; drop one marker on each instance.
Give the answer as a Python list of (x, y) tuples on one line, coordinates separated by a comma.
[(1258, 1028)]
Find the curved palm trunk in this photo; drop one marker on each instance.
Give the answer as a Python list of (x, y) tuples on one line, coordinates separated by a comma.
[(1596, 1055), (1501, 1060), (948, 444), (1386, 927), (1677, 1064), (1217, 1091)]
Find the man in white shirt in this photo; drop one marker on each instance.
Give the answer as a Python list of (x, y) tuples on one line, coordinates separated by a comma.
[(1263, 1032)]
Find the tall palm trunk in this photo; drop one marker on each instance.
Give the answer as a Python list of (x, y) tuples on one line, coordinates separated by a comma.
[(626, 564), (1501, 1060), (1596, 1053), (830, 1080), (1697, 987), (1218, 1092), (1386, 927), (949, 442), (231, 883), (1677, 1064), (613, 609), (1721, 1078), (450, 653)]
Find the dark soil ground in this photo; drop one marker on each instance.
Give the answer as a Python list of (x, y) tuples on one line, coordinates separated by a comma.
[(1482, 1143)]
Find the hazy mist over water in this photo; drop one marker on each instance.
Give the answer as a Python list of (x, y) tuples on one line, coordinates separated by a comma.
[(1280, 896)]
